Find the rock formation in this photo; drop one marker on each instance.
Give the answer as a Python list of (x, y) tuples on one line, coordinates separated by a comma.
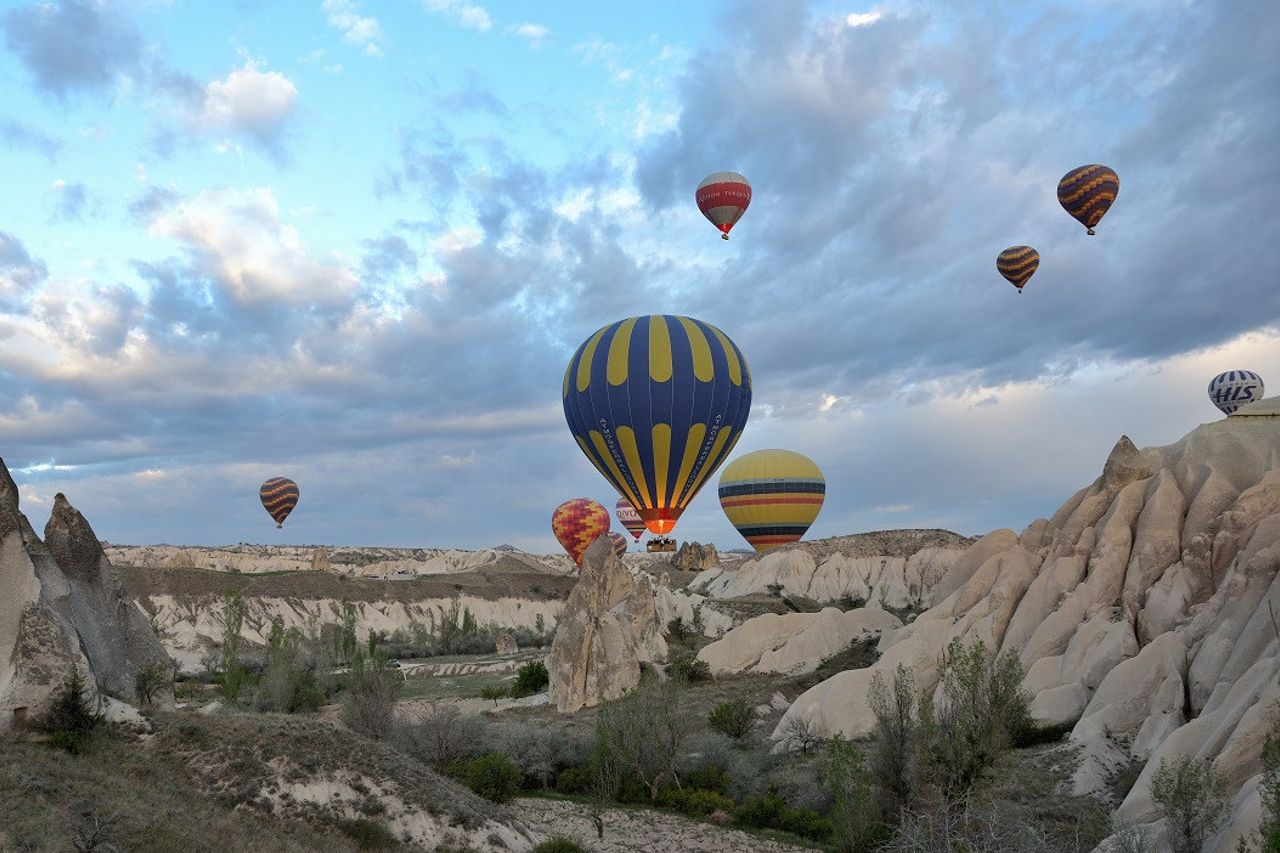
[(1142, 612), (320, 560), (694, 557), (608, 627), (794, 643), (62, 606), (891, 568)]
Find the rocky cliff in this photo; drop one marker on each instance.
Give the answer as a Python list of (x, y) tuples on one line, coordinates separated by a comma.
[(62, 606), (1144, 612)]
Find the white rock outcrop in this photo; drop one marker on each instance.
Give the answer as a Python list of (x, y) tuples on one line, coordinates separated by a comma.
[(793, 643), (1144, 613), (62, 607)]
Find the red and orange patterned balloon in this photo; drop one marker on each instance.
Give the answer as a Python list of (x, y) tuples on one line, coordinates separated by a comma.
[(577, 523)]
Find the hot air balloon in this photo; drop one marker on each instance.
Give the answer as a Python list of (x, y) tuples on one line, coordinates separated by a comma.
[(619, 543), (1088, 192), (1231, 390), (577, 523), (656, 403), (772, 496), (723, 197), (1018, 264), (629, 518), (279, 496)]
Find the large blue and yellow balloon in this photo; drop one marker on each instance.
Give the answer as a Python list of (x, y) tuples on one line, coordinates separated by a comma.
[(657, 403)]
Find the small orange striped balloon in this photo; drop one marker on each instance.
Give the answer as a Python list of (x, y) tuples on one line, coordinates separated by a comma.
[(577, 523), (1018, 264), (279, 496)]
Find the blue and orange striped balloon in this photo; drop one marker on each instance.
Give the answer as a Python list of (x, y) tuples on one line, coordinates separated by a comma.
[(279, 496), (657, 403), (772, 496), (1088, 192)]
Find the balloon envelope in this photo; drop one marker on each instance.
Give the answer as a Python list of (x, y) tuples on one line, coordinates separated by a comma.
[(619, 543), (723, 197), (1088, 192), (577, 523), (1018, 264), (772, 496), (279, 496), (1231, 390), (657, 403), (629, 518)]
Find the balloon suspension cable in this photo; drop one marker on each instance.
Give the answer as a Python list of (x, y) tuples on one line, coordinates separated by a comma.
[(724, 236)]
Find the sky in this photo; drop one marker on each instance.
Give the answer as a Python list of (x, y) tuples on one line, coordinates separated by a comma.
[(356, 243)]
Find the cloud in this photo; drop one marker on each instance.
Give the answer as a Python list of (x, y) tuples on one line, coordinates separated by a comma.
[(470, 15), (363, 32), (69, 201), (237, 239), (535, 34), (21, 135), (257, 104), (72, 45), (20, 274)]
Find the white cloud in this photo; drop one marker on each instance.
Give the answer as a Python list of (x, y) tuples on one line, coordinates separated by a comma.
[(357, 29), (536, 34), (863, 19), (470, 15), (248, 101), (239, 239)]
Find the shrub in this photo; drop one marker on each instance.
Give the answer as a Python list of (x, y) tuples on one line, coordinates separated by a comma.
[(707, 777), (540, 751), (686, 667), (558, 845), (772, 812), (1267, 834), (494, 777), (894, 740), (232, 620), (151, 681), (71, 720), (575, 780), (1192, 797), (494, 692), (368, 834), (644, 733), (442, 736), (705, 803), (371, 695), (733, 718), (532, 678), (800, 733)]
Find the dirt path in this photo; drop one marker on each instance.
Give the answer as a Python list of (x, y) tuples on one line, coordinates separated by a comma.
[(627, 830)]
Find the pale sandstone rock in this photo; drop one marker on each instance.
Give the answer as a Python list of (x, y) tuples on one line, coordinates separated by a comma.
[(608, 627), (793, 643)]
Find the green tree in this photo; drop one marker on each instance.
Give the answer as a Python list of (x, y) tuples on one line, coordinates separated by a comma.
[(530, 679), (1192, 796), (733, 718), (856, 827), (233, 674), (72, 718), (372, 689), (645, 733), (895, 740)]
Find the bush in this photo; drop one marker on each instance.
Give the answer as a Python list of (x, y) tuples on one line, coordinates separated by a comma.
[(705, 803), (540, 751), (494, 692), (558, 845), (494, 777), (532, 678), (1192, 797), (371, 699), (442, 736), (733, 718), (853, 811), (708, 777), (686, 667), (772, 812), (575, 780), (369, 834), (71, 720)]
